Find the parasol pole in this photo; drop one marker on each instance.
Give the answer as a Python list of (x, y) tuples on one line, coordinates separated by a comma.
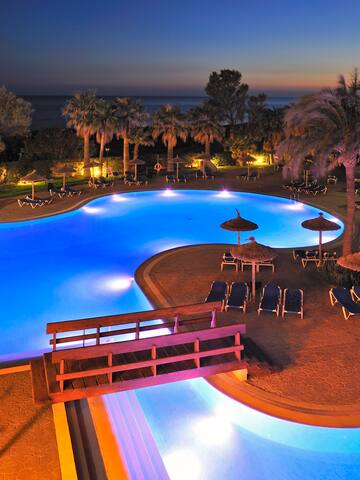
[(33, 190), (253, 270), (177, 171), (239, 237), (64, 181), (320, 242), (136, 170)]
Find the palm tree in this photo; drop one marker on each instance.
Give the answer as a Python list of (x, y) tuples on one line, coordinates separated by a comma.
[(105, 125), (140, 137), (327, 123), (204, 128), (169, 123), (80, 111), (130, 115)]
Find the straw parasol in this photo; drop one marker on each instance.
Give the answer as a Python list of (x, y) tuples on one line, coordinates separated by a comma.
[(248, 159), (135, 163), (203, 157), (178, 161), (351, 262), (253, 253), (320, 224), (239, 224), (65, 170), (94, 164), (32, 177)]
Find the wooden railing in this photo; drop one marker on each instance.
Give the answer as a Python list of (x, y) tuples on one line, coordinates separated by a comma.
[(149, 348), (131, 324)]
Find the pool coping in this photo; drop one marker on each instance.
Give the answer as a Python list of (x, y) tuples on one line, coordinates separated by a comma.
[(309, 413)]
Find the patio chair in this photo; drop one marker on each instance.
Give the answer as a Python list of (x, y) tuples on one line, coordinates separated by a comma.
[(71, 192), (253, 176), (41, 201), (229, 260), (270, 299), (328, 257), (242, 176), (55, 190), (142, 180), (355, 293), (331, 179), (105, 182), (218, 291), (182, 178), (238, 296), (343, 297), (310, 256), (29, 202), (129, 179), (269, 263), (293, 301)]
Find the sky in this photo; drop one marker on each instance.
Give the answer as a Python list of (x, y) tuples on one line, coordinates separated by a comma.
[(159, 47)]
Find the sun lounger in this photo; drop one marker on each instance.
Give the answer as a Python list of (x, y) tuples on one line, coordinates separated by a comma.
[(105, 182), (343, 296), (355, 293), (218, 291), (310, 256), (328, 257), (229, 260), (331, 179), (29, 202), (57, 191), (270, 299), (253, 176), (182, 178), (293, 301), (238, 296), (270, 264), (170, 178)]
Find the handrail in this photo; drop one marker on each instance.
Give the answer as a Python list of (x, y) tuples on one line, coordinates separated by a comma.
[(132, 323)]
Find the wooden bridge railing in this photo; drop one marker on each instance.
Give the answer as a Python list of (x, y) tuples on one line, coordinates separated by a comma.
[(149, 348), (131, 323)]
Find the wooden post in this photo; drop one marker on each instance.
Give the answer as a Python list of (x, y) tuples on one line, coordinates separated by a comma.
[(62, 371), (253, 274), (197, 350), (237, 343), (110, 364), (320, 246), (213, 319), (176, 324), (98, 335), (84, 337), (153, 357), (137, 331), (54, 341)]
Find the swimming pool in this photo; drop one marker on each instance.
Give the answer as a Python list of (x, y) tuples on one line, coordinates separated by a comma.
[(82, 264)]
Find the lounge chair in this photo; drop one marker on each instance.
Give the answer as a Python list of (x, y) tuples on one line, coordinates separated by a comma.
[(355, 293), (30, 202), (218, 291), (242, 176), (293, 301), (182, 178), (328, 257), (71, 192), (105, 182), (331, 179), (55, 190), (253, 176), (229, 260), (170, 178), (238, 296), (129, 179), (270, 299), (310, 256), (142, 180), (269, 263), (343, 296)]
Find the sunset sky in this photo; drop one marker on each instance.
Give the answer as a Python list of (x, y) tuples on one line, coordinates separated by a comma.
[(170, 47)]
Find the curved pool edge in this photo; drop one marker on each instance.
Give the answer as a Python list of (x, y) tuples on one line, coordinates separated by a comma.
[(313, 414)]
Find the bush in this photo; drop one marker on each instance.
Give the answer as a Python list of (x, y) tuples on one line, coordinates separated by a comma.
[(339, 276), (223, 159)]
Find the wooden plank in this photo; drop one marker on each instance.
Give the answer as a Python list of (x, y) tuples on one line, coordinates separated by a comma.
[(106, 321), (38, 380), (69, 395), (50, 374)]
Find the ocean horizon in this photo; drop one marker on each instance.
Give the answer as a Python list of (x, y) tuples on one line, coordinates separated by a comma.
[(47, 108)]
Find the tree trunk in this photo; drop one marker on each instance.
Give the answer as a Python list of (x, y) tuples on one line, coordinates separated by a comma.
[(87, 155), (207, 147), (126, 154), (136, 152), (170, 158), (101, 154), (350, 210)]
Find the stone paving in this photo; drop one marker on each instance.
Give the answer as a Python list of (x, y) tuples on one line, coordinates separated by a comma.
[(319, 355), (28, 448)]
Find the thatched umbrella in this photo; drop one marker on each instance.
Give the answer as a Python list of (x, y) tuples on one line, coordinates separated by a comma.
[(351, 262), (66, 169), (253, 253), (32, 177), (135, 163), (93, 164), (178, 161), (248, 159), (239, 224), (320, 224)]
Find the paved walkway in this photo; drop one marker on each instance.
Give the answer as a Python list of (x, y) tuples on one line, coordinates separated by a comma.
[(28, 448), (319, 355)]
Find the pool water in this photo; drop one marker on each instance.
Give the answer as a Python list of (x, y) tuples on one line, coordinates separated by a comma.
[(82, 264)]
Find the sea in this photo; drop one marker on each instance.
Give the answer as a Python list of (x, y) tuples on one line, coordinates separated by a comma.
[(47, 108)]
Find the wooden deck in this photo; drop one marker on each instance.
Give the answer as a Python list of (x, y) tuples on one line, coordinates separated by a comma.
[(123, 352)]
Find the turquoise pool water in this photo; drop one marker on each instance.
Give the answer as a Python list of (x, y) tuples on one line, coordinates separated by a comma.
[(82, 264)]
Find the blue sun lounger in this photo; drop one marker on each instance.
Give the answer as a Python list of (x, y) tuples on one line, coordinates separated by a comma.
[(355, 293), (293, 301), (343, 297), (218, 291), (270, 299), (238, 296)]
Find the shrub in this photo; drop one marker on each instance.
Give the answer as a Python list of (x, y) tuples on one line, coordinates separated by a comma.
[(339, 276)]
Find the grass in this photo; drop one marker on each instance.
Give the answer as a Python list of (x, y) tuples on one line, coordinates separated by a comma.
[(13, 189)]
